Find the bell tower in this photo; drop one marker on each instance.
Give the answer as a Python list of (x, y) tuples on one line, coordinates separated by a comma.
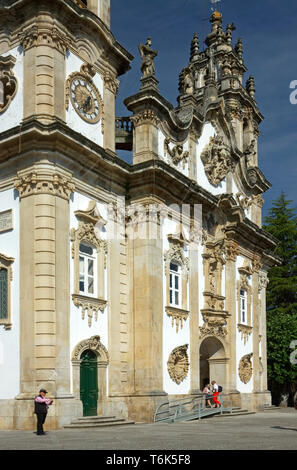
[(59, 68)]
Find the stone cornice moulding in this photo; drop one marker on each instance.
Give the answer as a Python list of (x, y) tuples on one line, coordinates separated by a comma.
[(177, 315), (38, 182)]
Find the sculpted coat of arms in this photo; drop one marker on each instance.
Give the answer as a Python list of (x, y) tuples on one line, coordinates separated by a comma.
[(217, 160)]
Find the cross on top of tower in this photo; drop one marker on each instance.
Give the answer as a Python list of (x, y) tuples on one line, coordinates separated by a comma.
[(214, 2)]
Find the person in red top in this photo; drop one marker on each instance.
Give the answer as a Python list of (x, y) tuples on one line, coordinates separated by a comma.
[(215, 393), (41, 406)]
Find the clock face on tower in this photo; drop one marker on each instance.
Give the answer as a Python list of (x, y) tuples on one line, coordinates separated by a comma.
[(85, 99)]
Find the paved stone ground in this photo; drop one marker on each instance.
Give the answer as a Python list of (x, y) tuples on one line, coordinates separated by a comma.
[(269, 430)]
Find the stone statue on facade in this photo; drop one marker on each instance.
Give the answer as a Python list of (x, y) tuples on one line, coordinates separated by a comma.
[(148, 54)]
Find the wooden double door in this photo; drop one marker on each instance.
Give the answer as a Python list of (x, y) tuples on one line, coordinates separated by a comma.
[(89, 383)]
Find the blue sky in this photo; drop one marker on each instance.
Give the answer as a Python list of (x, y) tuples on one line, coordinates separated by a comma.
[(268, 29)]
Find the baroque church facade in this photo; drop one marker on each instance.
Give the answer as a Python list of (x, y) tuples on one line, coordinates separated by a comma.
[(123, 286)]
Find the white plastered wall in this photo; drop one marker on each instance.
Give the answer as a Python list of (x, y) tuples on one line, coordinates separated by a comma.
[(79, 329), (91, 131), (10, 339)]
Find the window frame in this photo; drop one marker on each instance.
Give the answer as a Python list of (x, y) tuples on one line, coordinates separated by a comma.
[(6, 264), (173, 290), (86, 258)]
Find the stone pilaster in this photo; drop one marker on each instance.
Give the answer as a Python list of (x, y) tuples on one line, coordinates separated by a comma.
[(230, 273), (146, 246), (44, 72), (194, 318), (256, 265), (44, 312), (110, 90), (145, 136)]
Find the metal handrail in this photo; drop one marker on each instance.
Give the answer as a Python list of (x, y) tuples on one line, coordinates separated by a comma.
[(198, 409)]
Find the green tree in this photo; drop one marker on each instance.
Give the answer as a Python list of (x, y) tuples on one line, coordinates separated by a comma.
[(281, 222)]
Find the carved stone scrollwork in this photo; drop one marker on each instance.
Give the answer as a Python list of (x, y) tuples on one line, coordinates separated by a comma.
[(177, 315), (217, 160), (245, 370), (89, 306), (245, 331), (213, 326), (36, 183), (49, 36), (145, 117), (263, 281), (231, 250), (94, 344), (178, 364), (8, 82), (111, 83), (177, 153)]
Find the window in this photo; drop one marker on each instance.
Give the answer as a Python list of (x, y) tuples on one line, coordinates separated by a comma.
[(174, 285), (87, 259), (243, 306), (3, 294)]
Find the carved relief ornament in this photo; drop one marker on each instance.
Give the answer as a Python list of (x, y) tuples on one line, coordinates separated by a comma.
[(178, 364), (217, 160), (94, 344), (177, 154), (145, 117), (8, 82), (111, 83), (48, 36), (245, 331), (245, 370), (36, 183)]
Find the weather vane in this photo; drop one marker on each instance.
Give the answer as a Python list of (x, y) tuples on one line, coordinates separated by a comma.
[(214, 2)]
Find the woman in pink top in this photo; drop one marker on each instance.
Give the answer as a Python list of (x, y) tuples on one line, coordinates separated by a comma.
[(41, 406)]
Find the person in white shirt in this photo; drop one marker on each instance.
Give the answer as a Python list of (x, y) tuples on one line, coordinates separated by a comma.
[(215, 393)]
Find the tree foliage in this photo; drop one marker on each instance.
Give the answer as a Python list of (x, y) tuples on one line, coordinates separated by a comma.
[(281, 222)]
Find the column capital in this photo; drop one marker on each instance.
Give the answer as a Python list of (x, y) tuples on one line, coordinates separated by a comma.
[(51, 183)]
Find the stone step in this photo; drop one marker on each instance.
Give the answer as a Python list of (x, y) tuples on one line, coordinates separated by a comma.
[(98, 425), (94, 418), (97, 421), (237, 413), (272, 407)]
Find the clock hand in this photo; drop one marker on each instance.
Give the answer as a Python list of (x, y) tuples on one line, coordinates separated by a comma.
[(86, 103)]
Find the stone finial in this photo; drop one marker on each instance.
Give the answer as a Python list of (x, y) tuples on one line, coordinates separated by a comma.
[(250, 87), (194, 48), (216, 19), (238, 49), (229, 29), (148, 54)]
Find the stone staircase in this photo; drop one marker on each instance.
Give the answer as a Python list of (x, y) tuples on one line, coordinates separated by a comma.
[(97, 422), (236, 411)]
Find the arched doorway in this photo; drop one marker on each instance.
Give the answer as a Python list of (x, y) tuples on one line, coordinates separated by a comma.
[(213, 362), (89, 383)]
